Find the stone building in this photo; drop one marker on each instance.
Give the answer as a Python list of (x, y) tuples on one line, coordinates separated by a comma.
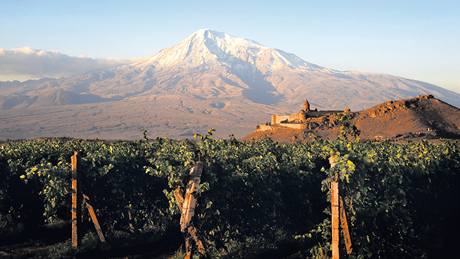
[(298, 117), (299, 120)]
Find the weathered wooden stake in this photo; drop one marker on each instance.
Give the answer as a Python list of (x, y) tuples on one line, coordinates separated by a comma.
[(178, 197), (188, 249), (345, 230), (194, 235), (75, 203), (338, 215), (335, 219), (92, 214), (189, 204)]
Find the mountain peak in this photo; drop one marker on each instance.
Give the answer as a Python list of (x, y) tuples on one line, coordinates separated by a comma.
[(205, 46), (206, 32), (225, 38)]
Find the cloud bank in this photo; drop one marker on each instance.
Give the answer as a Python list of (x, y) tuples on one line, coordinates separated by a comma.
[(27, 63)]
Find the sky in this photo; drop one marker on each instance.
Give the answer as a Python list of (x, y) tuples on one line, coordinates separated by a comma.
[(413, 39)]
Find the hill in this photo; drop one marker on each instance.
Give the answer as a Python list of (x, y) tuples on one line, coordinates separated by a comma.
[(420, 117)]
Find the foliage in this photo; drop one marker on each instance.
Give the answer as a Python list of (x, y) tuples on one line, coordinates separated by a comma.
[(253, 195)]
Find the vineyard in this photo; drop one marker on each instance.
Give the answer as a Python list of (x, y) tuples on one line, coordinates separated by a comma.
[(255, 199)]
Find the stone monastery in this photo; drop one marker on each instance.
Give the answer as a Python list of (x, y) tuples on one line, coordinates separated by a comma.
[(304, 119)]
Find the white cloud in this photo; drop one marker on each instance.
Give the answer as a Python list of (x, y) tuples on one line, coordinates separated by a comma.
[(27, 63)]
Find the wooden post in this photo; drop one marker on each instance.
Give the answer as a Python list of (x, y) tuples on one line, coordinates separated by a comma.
[(178, 197), (345, 230), (338, 215), (188, 249), (75, 203), (335, 219), (92, 214), (193, 234), (189, 204)]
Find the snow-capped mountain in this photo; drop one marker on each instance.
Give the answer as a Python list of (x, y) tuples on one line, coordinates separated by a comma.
[(209, 79), (206, 47)]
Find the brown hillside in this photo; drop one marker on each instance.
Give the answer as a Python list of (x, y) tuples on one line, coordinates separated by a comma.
[(420, 117)]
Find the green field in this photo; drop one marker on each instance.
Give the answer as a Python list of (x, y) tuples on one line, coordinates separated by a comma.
[(256, 199)]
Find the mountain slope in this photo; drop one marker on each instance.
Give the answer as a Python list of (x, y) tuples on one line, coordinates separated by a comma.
[(210, 79)]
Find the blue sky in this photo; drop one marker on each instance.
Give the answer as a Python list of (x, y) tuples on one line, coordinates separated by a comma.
[(414, 39)]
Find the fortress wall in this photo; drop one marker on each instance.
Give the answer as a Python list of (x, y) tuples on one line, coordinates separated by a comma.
[(277, 119), (296, 117), (297, 126)]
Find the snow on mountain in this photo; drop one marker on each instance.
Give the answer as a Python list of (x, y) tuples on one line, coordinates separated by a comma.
[(208, 47), (209, 79)]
